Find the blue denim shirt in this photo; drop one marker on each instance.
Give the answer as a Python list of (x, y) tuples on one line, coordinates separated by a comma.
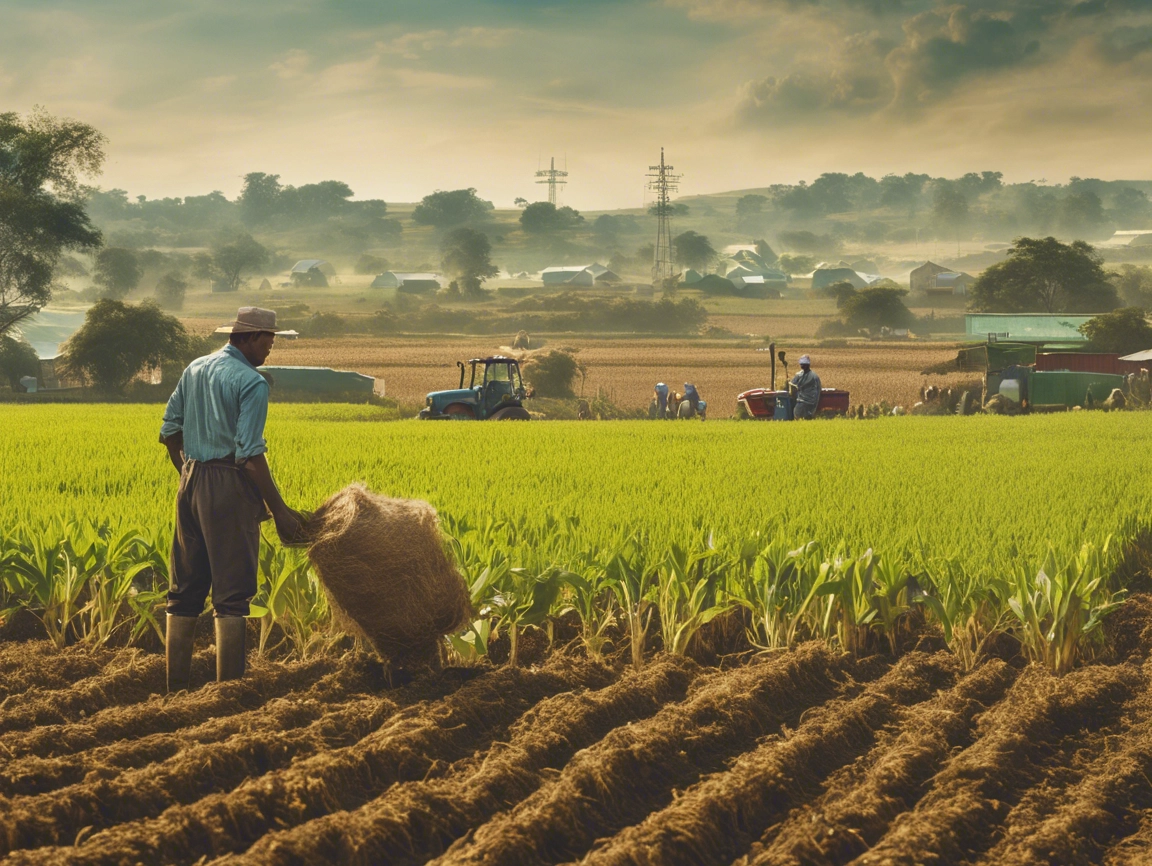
[(221, 404), (807, 387)]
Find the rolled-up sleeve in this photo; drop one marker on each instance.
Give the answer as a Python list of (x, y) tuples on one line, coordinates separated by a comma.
[(250, 422), (174, 412)]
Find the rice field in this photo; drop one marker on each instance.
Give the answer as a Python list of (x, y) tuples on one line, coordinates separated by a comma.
[(897, 641), (627, 370)]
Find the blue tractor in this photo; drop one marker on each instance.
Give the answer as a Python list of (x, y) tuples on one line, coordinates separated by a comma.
[(495, 392)]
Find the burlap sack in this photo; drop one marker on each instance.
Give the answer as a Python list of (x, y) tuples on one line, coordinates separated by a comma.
[(383, 565)]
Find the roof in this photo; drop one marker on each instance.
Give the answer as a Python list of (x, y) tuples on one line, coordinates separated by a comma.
[(1146, 355), (405, 278), (950, 278), (1028, 327), (305, 265), (597, 269), (569, 269)]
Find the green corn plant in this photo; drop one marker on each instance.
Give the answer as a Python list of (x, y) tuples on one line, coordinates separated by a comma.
[(472, 644), (592, 599), (687, 590), (48, 580), (1060, 608), (633, 581), (110, 561), (969, 607), (847, 587), (524, 599), (290, 598), (890, 582), (777, 590)]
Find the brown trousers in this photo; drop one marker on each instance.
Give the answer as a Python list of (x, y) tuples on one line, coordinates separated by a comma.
[(216, 545)]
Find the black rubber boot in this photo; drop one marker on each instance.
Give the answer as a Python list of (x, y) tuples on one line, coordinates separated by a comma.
[(230, 647), (179, 633)]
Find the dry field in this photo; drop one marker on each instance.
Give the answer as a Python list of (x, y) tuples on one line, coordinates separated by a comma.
[(627, 369), (800, 757)]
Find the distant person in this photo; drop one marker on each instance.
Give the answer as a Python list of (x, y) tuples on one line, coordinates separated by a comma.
[(214, 431), (807, 390)]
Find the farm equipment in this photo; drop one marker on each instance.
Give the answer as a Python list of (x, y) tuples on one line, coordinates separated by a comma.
[(768, 404), (496, 394)]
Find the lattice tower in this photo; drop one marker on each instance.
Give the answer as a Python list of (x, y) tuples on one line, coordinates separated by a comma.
[(554, 177), (663, 183)]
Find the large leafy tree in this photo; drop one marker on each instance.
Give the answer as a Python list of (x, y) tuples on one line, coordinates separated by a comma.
[(447, 208), (118, 341), (1122, 331), (693, 250), (118, 272), (543, 217), (41, 205), (17, 359), (1043, 275), (232, 258), (873, 308), (466, 256)]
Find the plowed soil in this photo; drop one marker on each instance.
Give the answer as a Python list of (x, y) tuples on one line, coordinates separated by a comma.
[(800, 757)]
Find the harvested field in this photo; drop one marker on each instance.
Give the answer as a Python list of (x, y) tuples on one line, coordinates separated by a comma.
[(627, 369), (801, 757)]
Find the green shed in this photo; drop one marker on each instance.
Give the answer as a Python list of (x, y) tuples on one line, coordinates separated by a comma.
[(1070, 387), (318, 383)]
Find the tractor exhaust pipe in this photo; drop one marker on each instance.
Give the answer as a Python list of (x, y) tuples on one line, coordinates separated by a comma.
[(772, 355), (460, 364)]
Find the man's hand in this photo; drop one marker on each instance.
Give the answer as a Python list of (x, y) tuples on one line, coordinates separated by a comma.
[(291, 526), (175, 446)]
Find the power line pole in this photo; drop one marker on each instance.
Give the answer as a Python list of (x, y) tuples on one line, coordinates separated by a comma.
[(552, 176), (663, 183)]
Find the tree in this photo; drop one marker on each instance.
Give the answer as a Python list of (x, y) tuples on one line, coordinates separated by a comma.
[(543, 217), (444, 209), (1134, 283), (1123, 331), (876, 308), (465, 255), (841, 291), (671, 209), (42, 205), (751, 204), (231, 259), (369, 264), (260, 198), (950, 206), (552, 373), (1042, 275), (17, 359), (118, 272), (693, 250), (118, 341), (765, 252), (1131, 206), (1081, 212), (520, 202), (170, 291)]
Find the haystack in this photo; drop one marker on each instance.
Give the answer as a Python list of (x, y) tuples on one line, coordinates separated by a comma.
[(383, 565)]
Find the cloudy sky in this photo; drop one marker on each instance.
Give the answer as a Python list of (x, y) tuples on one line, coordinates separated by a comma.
[(399, 97)]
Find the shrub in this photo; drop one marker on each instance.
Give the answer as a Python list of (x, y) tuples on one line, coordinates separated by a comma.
[(552, 373)]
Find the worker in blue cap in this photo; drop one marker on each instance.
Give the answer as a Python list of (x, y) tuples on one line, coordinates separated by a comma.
[(806, 387)]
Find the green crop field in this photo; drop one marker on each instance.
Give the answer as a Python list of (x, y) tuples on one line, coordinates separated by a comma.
[(985, 503)]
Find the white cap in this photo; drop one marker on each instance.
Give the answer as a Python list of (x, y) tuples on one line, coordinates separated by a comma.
[(804, 359)]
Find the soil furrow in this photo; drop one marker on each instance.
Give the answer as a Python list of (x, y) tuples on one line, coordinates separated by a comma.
[(39, 665), (159, 714), (861, 801), (963, 813), (636, 768), (419, 742), (356, 676), (415, 821), (1136, 850), (720, 817), (1104, 805)]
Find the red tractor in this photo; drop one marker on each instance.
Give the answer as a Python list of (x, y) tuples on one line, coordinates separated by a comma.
[(768, 404)]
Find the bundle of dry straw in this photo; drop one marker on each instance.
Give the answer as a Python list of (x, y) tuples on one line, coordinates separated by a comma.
[(383, 565)]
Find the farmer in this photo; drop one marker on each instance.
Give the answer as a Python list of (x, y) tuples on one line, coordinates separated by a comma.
[(807, 390), (214, 431)]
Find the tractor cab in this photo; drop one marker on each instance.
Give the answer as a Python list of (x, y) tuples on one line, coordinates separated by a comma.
[(495, 392)]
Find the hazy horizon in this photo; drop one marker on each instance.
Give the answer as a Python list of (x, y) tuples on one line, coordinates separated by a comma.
[(445, 94)]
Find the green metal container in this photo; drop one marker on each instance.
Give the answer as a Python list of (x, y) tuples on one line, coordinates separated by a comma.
[(318, 383), (1070, 387)]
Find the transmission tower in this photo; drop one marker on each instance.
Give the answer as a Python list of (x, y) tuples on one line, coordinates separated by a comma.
[(553, 177), (663, 183)]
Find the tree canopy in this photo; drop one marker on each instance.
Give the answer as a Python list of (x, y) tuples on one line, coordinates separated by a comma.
[(42, 210), (17, 359), (231, 259), (1123, 331), (118, 341), (447, 208), (873, 308), (543, 217), (693, 250), (1043, 275), (466, 257), (118, 272)]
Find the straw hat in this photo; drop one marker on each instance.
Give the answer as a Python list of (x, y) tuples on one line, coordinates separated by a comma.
[(252, 320)]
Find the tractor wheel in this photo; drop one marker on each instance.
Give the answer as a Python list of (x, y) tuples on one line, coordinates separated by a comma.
[(459, 412), (510, 413)]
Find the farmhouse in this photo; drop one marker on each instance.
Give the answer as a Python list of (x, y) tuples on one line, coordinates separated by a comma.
[(410, 283), (575, 275), (950, 283), (923, 278)]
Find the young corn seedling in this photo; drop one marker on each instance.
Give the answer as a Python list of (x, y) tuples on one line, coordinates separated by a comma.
[(687, 595), (969, 608), (590, 595), (633, 581), (778, 591)]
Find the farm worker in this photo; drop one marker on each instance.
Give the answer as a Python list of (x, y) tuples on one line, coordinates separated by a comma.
[(214, 431), (692, 396), (661, 395), (807, 385)]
